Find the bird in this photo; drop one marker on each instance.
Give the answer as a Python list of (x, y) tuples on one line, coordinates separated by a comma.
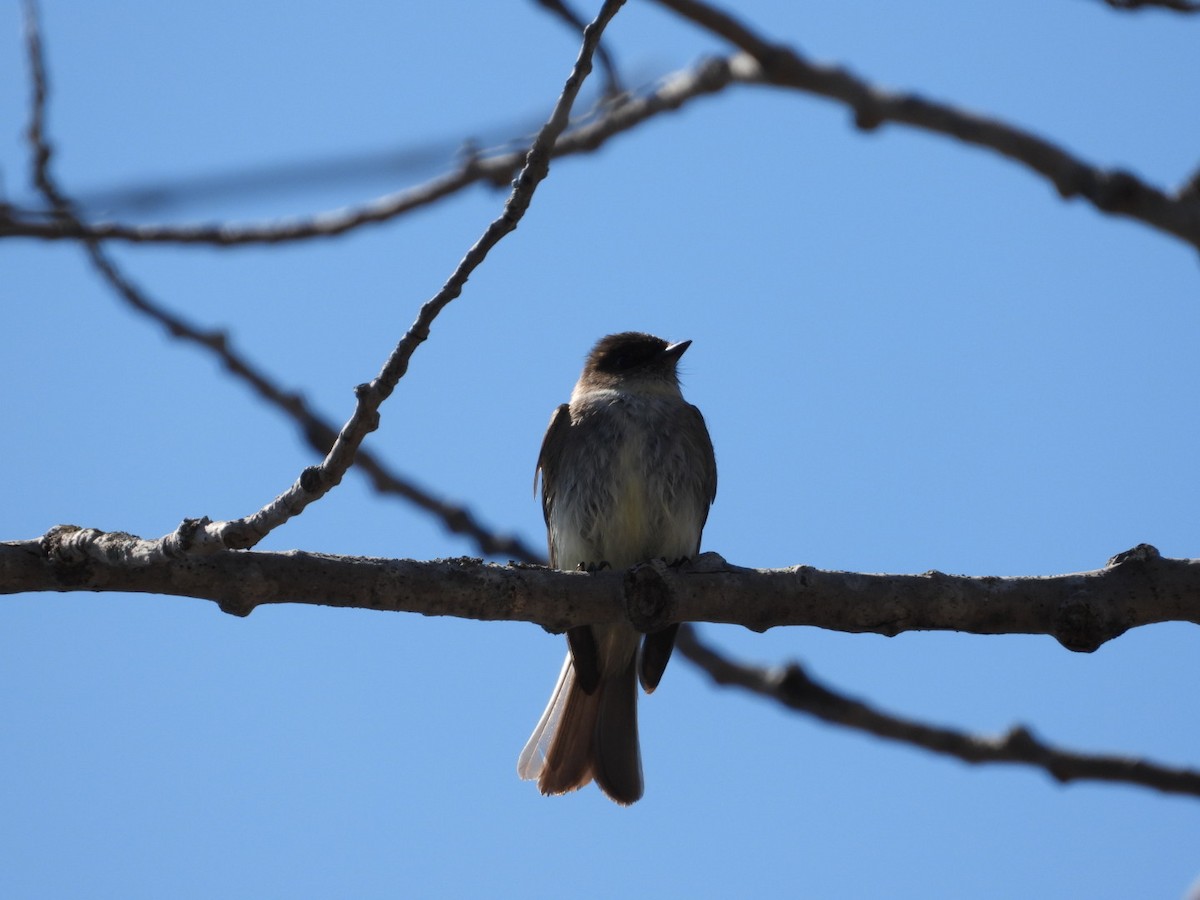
[(628, 475)]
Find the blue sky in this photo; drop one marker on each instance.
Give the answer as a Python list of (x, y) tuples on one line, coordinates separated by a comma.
[(911, 354)]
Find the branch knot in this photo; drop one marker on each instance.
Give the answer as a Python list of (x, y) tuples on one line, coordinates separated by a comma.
[(1142, 553), (1081, 626)]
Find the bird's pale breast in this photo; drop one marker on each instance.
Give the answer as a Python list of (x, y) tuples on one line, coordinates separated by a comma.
[(628, 505)]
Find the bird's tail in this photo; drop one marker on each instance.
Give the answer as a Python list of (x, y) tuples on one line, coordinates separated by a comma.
[(583, 736)]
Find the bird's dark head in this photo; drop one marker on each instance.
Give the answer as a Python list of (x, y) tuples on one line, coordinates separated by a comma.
[(632, 360)]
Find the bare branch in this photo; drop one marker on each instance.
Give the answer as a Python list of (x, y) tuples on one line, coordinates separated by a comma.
[(1082, 610), (287, 176), (319, 434), (559, 9), (1111, 191), (1183, 6), (585, 136), (40, 146), (15, 223), (792, 687)]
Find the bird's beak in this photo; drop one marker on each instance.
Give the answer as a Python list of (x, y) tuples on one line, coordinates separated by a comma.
[(674, 351)]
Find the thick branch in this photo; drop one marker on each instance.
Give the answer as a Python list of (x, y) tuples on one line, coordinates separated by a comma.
[(69, 558), (792, 687), (1081, 610)]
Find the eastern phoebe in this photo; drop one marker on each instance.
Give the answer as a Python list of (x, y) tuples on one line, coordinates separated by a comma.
[(628, 474)]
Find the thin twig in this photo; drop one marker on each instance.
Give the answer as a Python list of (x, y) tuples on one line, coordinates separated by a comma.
[(558, 8), (792, 687), (42, 150), (1183, 6), (584, 136)]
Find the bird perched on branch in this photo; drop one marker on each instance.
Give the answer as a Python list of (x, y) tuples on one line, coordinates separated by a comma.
[(628, 475)]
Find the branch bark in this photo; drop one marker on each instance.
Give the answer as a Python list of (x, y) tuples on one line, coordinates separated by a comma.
[(1082, 610)]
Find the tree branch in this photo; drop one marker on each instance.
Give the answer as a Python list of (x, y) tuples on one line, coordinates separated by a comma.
[(1182, 6), (68, 558), (1111, 191), (792, 687), (560, 10), (763, 63), (1081, 610)]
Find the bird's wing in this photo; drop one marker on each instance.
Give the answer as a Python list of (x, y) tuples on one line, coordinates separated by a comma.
[(551, 452), (707, 456)]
